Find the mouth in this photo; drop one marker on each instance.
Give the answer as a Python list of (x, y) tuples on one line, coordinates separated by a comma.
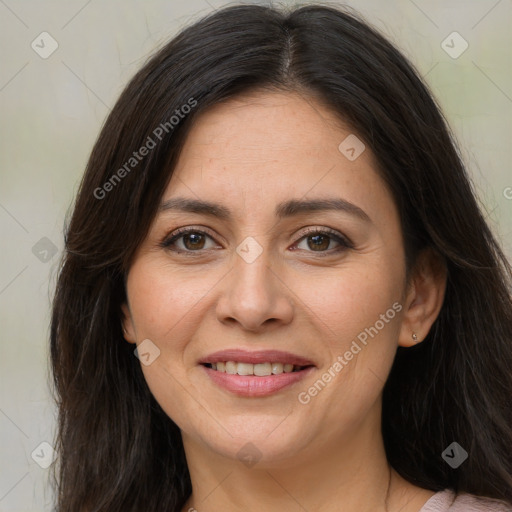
[(255, 374), (259, 369)]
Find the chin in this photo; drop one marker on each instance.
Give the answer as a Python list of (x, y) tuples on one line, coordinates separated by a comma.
[(266, 440)]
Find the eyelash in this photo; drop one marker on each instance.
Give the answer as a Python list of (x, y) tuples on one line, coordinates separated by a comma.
[(344, 242)]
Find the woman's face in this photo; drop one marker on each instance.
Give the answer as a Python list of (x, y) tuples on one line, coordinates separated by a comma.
[(322, 288)]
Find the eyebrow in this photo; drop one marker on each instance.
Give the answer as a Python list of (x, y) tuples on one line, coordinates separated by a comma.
[(283, 210)]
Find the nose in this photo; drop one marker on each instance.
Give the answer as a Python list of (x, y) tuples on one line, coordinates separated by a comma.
[(255, 296)]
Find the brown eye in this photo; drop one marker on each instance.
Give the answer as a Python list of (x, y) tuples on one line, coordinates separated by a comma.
[(193, 240), (319, 241), (190, 240)]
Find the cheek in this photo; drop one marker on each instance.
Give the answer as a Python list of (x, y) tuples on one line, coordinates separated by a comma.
[(165, 302), (344, 304), (164, 306), (359, 314)]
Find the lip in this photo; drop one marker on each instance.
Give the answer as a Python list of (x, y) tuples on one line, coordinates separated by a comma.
[(255, 357), (253, 386)]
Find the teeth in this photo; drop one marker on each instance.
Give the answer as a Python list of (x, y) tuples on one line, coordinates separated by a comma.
[(245, 369), (277, 368), (260, 369), (231, 367), (263, 369)]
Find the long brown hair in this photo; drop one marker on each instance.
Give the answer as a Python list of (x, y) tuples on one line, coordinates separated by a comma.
[(118, 450)]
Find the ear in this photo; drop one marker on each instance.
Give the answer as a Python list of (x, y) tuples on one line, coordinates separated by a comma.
[(424, 298), (127, 323)]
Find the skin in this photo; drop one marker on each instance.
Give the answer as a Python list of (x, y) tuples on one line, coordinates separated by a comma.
[(249, 154)]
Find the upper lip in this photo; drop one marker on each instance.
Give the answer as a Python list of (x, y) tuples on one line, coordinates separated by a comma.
[(255, 357)]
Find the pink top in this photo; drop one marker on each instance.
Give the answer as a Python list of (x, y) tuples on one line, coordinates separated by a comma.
[(447, 501)]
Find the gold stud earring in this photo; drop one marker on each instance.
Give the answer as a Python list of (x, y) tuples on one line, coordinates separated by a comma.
[(414, 337)]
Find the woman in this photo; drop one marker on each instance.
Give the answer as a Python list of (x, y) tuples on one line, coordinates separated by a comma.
[(278, 290)]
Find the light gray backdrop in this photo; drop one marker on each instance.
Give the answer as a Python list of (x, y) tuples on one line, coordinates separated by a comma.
[(63, 65)]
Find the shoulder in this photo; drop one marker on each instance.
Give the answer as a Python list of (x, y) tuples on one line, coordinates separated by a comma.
[(448, 501)]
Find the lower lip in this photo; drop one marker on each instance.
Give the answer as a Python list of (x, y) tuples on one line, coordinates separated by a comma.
[(251, 385)]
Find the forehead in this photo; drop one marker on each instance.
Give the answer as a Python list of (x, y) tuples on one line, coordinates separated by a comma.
[(267, 147), (264, 126)]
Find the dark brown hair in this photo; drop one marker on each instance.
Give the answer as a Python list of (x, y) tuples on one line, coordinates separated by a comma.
[(118, 449)]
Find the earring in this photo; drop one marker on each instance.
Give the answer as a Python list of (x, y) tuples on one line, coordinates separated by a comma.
[(414, 336)]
